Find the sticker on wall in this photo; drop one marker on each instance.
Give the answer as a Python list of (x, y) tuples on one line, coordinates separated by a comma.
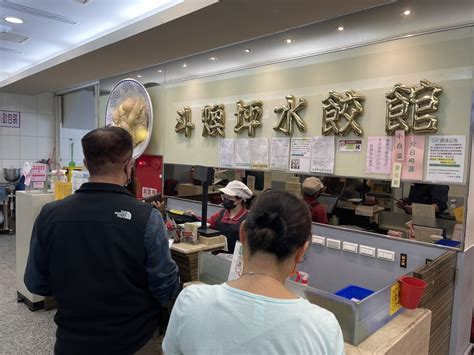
[(340, 113), (184, 124), (249, 117), (213, 118), (411, 108), (289, 114), (349, 145)]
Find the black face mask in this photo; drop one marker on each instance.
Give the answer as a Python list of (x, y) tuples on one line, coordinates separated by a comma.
[(228, 204)]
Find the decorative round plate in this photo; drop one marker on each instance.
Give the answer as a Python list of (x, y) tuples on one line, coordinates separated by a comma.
[(129, 106)]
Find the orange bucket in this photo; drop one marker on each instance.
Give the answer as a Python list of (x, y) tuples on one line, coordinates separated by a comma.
[(411, 291)]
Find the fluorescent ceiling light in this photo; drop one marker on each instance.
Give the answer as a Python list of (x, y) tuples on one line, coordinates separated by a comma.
[(13, 19)]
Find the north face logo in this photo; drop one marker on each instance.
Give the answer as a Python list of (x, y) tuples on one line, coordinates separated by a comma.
[(124, 214)]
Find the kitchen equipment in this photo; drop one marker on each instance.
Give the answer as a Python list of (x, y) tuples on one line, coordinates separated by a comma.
[(7, 199)]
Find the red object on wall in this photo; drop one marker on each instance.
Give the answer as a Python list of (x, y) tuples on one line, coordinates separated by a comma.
[(149, 169)]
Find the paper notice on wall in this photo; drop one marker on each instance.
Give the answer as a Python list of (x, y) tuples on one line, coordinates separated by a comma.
[(242, 153), (226, 153), (300, 154), (237, 264), (445, 161), (322, 154), (414, 154), (396, 174), (400, 145), (280, 154), (379, 155), (259, 153)]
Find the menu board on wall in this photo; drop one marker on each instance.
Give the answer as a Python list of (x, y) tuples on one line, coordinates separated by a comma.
[(300, 154), (259, 153), (280, 154), (242, 153), (226, 152), (445, 161), (322, 154), (379, 155)]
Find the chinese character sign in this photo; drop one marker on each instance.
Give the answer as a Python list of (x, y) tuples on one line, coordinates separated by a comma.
[(446, 157), (10, 119), (289, 114), (379, 158), (249, 117), (184, 123), (412, 108), (414, 154), (340, 113), (213, 118)]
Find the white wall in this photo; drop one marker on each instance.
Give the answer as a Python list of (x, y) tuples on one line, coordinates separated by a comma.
[(35, 139), (66, 136)]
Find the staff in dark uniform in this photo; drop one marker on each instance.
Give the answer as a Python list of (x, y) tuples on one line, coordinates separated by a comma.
[(436, 195), (228, 220)]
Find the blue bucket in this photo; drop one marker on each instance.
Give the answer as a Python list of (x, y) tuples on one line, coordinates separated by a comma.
[(448, 243), (355, 293)]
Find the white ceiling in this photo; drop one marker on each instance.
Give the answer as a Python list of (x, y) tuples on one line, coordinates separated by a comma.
[(373, 25), (54, 28), (226, 27)]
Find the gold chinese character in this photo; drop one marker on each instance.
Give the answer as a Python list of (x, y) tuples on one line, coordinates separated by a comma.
[(184, 122), (411, 108), (289, 113), (248, 117), (335, 107), (213, 118)]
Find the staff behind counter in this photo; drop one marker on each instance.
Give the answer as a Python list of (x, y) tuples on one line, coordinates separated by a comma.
[(228, 220)]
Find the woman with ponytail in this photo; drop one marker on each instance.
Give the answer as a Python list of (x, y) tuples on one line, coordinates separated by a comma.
[(257, 314)]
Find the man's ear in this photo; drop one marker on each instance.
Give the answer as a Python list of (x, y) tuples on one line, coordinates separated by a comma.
[(242, 233)]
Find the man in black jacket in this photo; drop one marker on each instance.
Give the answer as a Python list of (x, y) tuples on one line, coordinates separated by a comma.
[(104, 256)]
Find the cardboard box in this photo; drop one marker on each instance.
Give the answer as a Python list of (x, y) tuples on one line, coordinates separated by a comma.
[(188, 189)]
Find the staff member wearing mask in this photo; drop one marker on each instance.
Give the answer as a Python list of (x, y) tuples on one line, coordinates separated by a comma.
[(228, 220), (312, 188)]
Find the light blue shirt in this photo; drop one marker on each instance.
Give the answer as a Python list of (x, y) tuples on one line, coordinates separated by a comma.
[(220, 319)]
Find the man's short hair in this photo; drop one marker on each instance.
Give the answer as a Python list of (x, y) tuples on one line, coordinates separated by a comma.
[(106, 149)]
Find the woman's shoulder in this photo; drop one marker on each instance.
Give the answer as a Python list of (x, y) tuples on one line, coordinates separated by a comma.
[(312, 311)]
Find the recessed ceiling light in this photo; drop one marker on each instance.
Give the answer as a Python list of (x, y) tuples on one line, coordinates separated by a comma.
[(139, 76), (410, 35), (407, 12), (289, 40), (340, 28), (184, 65), (212, 58), (13, 19), (247, 50), (160, 71)]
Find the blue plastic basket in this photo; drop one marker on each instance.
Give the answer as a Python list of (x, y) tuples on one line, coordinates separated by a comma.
[(353, 292), (448, 242)]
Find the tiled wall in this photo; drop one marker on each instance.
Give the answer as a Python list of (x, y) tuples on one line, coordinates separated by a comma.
[(35, 139)]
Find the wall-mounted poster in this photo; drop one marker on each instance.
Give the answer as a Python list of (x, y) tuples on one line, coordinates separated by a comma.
[(322, 154), (300, 154), (445, 161), (242, 153), (10, 119), (259, 153), (379, 155), (226, 152), (414, 153), (349, 145), (280, 154)]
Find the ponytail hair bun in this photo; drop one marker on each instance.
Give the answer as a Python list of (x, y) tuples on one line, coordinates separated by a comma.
[(278, 223)]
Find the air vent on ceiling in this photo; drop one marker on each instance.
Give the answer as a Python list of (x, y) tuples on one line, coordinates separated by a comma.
[(36, 12), (10, 37), (9, 50)]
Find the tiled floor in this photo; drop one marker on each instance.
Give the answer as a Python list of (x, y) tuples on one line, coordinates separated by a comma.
[(21, 331)]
